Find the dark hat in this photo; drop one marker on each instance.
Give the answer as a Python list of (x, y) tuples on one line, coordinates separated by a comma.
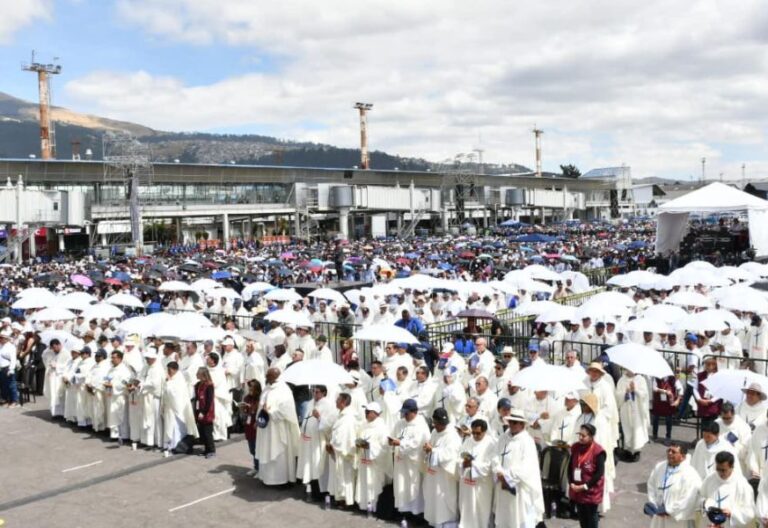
[(409, 405), (504, 403), (440, 416), (500, 362)]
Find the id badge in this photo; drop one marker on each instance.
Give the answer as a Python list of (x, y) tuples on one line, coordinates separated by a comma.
[(431, 471), (306, 438), (249, 420), (577, 474), (365, 461), (663, 396), (469, 482)]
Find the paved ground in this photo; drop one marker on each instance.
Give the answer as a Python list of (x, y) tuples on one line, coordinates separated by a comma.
[(55, 476)]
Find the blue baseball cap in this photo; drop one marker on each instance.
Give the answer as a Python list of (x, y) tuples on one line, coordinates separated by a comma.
[(409, 405), (691, 337)]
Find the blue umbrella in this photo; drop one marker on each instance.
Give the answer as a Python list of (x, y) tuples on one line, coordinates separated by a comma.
[(434, 257), (620, 247), (284, 272), (217, 275), (403, 274), (445, 266), (535, 238), (122, 276), (536, 258), (412, 255), (526, 249), (637, 244)]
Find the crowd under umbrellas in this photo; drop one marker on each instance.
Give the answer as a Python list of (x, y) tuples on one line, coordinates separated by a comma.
[(126, 345)]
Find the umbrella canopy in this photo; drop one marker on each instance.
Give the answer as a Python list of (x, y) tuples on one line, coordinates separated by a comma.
[(536, 307), (82, 280), (727, 384), (632, 279), (745, 300), (226, 293), (68, 341), (175, 286), (648, 324), (476, 314), (558, 313), (387, 333), (708, 320), (76, 301), (640, 360), (546, 377), (205, 284), (664, 312), (39, 298), (289, 317), (53, 314), (282, 295), (124, 299), (537, 271), (600, 310), (689, 298), (255, 288), (329, 295), (316, 372), (103, 311)]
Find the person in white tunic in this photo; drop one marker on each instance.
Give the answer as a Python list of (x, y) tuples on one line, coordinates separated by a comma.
[(564, 421), (233, 363), (341, 450), (590, 414), (94, 385), (450, 394), (84, 398), (602, 386), (178, 415), (223, 397), (55, 360), (728, 491), (441, 478), (278, 438), (408, 438), (632, 401), (519, 498), (673, 490), (115, 384), (190, 364), (312, 465), (151, 381), (71, 389), (703, 460), (753, 408), (761, 504), (734, 430), (757, 451), (255, 367), (476, 478), (374, 459), (539, 412)]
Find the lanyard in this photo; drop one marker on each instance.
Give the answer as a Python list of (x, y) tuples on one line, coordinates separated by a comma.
[(581, 459), (670, 471)]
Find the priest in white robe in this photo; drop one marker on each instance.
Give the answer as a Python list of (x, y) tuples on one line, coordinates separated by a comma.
[(476, 479), (519, 498), (342, 449), (222, 396), (673, 490), (71, 390), (761, 504), (84, 397), (94, 385), (255, 366), (441, 478), (178, 415), (374, 459), (450, 394), (753, 408), (727, 490), (312, 465), (408, 439), (757, 451), (151, 381), (190, 364), (55, 360), (734, 430), (115, 385), (632, 401), (277, 441), (703, 459), (564, 421)]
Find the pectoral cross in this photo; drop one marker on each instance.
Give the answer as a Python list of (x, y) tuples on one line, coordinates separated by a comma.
[(720, 499), (562, 429), (765, 451), (442, 401), (505, 453)]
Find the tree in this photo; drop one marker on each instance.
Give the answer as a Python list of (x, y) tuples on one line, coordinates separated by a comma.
[(570, 171)]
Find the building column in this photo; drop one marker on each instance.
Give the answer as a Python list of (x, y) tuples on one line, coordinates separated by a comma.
[(225, 223), (32, 244), (399, 217), (103, 239), (61, 243), (344, 222)]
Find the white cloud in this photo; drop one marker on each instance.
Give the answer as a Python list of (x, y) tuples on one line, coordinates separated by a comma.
[(16, 14), (656, 84)]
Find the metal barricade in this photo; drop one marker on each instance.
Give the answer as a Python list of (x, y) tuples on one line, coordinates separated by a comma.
[(756, 365)]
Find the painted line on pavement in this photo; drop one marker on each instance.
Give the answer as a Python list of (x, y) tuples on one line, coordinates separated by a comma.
[(82, 467), (177, 508)]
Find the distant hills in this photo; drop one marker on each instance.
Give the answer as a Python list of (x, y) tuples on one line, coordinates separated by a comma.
[(19, 137)]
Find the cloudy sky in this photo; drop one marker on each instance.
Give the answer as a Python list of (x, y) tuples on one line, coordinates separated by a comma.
[(657, 84)]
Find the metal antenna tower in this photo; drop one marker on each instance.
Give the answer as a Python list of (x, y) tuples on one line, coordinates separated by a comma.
[(460, 184), (47, 132), (128, 162), (365, 162)]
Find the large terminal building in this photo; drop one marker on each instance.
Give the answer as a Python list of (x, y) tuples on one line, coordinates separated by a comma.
[(70, 205)]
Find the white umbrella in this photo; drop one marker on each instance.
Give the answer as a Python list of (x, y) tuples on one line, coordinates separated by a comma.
[(67, 340), (353, 295), (255, 288), (226, 293), (647, 324), (53, 314), (329, 295), (579, 281), (545, 377), (289, 317), (205, 284), (632, 279), (387, 333), (383, 290), (125, 299), (699, 265), (727, 384), (76, 301), (146, 324), (38, 299), (614, 298), (289, 295), (640, 360), (737, 274), (537, 271), (316, 372), (175, 286), (745, 300), (103, 311), (709, 320), (664, 312), (664, 283), (558, 313), (755, 268), (193, 319), (692, 277), (504, 287), (689, 298), (33, 291), (536, 307)]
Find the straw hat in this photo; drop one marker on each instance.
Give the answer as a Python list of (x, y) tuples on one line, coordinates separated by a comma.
[(756, 387), (596, 365), (590, 400)]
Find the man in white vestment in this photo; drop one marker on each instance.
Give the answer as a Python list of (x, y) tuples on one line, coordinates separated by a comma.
[(233, 363), (222, 397), (632, 401), (703, 459), (601, 385), (757, 451), (539, 412), (117, 380), (71, 389), (341, 449), (277, 441), (178, 415), (728, 491), (753, 408), (55, 360), (84, 398), (374, 459), (476, 476), (441, 480), (734, 430), (673, 490), (190, 364), (450, 394), (312, 466), (151, 382), (563, 421), (255, 366), (94, 385), (519, 499), (408, 438)]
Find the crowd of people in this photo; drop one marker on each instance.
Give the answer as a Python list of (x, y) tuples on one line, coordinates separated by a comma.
[(439, 430)]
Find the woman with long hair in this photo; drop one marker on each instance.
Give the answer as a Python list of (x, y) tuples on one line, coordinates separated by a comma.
[(250, 409), (205, 410)]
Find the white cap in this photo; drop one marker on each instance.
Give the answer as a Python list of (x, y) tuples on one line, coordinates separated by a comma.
[(150, 352), (373, 407), (228, 341), (447, 347)]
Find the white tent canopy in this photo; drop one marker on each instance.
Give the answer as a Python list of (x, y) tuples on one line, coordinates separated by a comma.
[(672, 221)]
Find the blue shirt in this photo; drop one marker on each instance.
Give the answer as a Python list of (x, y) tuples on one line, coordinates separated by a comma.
[(413, 325), (465, 347)]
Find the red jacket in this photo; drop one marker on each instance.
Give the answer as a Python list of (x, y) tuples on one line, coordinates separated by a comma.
[(204, 403), (590, 459), (711, 410), (663, 407)]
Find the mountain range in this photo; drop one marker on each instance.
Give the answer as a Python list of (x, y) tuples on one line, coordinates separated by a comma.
[(19, 138)]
